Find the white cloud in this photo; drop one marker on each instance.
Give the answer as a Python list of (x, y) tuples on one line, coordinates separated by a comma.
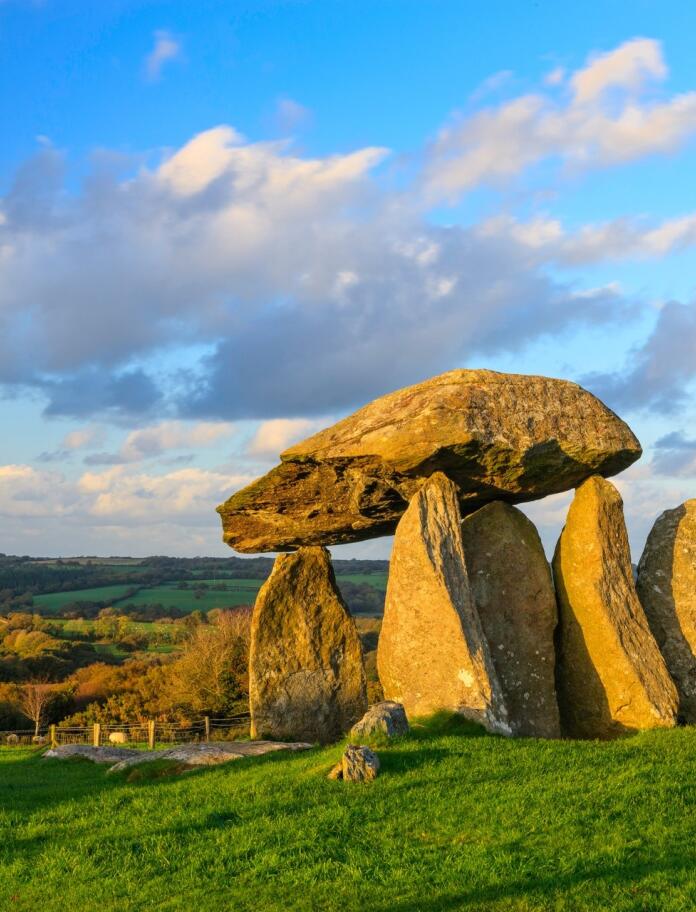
[(629, 67), (276, 435), (591, 130), (84, 438), (46, 512), (624, 238), (153, 441), (166, 49), (290, 115)]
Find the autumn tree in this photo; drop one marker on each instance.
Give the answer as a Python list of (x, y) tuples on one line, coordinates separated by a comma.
[(212, 673), (34, 699)]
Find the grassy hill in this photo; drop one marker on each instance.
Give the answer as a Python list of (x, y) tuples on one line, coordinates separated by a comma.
[(457, 820)]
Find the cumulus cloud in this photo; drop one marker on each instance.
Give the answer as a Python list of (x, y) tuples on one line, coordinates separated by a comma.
[(626, 238), (629, 66), (290, 115), (235, 279), (150, 442), (166, 48), (276, 435), (658, 373), (675, 455), (591, 129), (296, 285), (45, 511)]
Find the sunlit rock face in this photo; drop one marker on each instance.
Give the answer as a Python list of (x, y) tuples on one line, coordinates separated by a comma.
[(498, 436), (611, 677), (513, 593), (667, 590), (432, 653), (306, 671)]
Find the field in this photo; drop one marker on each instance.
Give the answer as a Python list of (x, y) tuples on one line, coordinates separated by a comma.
[(53, 601), (236, 592), (456, 820)]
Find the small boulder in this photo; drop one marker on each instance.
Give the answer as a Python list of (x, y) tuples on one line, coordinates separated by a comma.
[(385, 718), (118, 738), (358, 764)]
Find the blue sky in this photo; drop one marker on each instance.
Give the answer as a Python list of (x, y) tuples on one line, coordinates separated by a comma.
[(223, 226)]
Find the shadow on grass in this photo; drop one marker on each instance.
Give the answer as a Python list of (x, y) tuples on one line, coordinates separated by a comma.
[(544, 889)]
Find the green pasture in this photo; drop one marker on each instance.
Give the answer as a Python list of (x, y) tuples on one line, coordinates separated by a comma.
[(52, 601), (457, 820)]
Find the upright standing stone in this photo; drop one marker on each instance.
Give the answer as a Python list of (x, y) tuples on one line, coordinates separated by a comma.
[(513, 593), (306, 674), (432, 653), (667, 589), (611, 676)]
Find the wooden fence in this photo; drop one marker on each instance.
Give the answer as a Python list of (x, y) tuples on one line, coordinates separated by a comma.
[(150, 732)]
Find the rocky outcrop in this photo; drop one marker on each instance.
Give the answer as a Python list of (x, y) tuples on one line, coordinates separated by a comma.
[(667, 590), (611, 677), (512, 589), (386, 718), (306, 674), (498, 436), (358, 764), (432, 653)]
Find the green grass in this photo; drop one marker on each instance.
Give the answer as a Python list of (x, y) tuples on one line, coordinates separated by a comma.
[(242, 594), (376, 580), (53, 601), (455, 821)]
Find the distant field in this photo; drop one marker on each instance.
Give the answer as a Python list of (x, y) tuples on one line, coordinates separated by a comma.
[(52, 601), (377, 580), (239, 592), (236, 592)]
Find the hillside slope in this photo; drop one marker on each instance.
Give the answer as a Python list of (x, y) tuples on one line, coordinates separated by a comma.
[(456, 820)]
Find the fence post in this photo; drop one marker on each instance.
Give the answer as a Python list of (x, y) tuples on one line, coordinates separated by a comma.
[(151, 734), (207, 728), (96, 734), (52, 735)]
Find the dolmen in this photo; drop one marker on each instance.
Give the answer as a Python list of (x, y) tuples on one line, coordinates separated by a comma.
[(476, 621)]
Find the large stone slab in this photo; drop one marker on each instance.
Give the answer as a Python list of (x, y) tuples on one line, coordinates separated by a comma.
[(498, 436), (513, 593), (667, 590), (306, 674), (611, 677), (432, 653)]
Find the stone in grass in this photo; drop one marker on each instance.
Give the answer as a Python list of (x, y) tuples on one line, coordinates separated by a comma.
[(358, 764), (385, 718)]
